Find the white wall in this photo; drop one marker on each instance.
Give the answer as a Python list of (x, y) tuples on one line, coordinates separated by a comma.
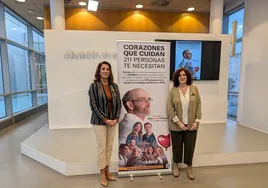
[(253, 102), (68, 80)]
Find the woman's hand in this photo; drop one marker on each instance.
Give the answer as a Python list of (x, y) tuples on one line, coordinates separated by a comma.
[(114, 122), (195, 126), (110, 122), (182, 126)]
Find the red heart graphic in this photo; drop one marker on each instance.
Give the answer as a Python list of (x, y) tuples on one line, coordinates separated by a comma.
[(164, 140), (196, 69)]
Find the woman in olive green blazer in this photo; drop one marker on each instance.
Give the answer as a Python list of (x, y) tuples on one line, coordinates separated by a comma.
[(184, 112)]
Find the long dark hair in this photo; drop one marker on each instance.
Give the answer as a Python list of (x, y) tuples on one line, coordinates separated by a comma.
[(97, 73), (176, 75), (140, 132)]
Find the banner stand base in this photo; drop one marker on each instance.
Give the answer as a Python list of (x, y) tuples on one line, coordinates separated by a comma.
[(158, 174), (131, 177), (133, 174), (160, 177)]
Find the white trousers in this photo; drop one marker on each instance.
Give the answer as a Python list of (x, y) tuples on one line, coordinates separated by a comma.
[(105, 140)]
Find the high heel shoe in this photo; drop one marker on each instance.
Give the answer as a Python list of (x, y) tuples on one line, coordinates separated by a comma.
[(110, 177), (105, 184), (103, 179), (108, 174)]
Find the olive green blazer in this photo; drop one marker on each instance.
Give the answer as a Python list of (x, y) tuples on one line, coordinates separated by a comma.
[(175, 107)]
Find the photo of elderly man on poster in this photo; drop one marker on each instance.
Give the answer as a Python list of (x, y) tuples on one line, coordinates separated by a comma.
[(137, 132), (137, 103)]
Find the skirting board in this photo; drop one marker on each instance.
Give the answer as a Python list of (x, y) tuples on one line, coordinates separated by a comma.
[(59, 127), (248, 126)]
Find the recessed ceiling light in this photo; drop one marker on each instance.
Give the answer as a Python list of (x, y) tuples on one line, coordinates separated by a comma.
[(14, 28), (82, 3), (92, 5), (40, 18), (190, 9), (22, 1), (139, 6)]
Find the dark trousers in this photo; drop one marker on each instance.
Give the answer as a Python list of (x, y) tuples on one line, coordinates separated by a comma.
[(186, 139)]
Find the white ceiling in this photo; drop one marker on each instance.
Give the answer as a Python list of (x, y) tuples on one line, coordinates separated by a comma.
[(37, 6)]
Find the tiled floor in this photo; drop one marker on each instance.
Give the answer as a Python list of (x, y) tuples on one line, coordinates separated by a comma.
[(17, 171)]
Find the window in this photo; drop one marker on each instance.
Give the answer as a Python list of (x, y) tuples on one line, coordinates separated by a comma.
[(1, 74), (21, 102), (2, 107), (41, 97), (16, 30), (234, 69), (239, 17), (238, 47), (19, 69), (2, 98), (235, 61), (23, 83), (40, 71), (41, 78), (38, 41), (233, 84)]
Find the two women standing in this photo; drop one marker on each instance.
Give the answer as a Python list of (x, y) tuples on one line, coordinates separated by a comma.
[(184, 111)]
